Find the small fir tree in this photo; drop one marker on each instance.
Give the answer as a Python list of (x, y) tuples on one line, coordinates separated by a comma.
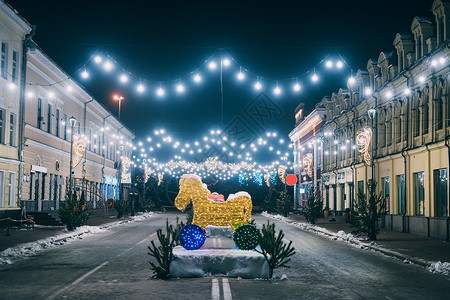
[(284, 202), (164, 252), (313, 207), (368, 211), (275, 251), (73, 213)]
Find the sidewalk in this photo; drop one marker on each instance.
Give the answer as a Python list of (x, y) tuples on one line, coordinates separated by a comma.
[(417, 249), (22, 235)]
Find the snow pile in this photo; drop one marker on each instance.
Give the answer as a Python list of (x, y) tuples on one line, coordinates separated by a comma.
[(222, 262), (142, 217), (11, 255), (440, 268)]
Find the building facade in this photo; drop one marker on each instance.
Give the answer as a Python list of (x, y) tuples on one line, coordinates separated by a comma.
[(52, 98), (307, 152), (13, 33), (408, 137)]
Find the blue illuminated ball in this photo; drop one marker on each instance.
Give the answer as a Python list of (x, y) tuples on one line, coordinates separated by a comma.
[(246, 237), (192, 237)]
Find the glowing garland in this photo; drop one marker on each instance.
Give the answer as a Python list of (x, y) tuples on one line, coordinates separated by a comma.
[(237, 208), (246, 237)]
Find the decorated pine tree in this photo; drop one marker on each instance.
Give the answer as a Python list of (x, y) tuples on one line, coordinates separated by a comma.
[(368, 211), (313, 207), (73, 213)]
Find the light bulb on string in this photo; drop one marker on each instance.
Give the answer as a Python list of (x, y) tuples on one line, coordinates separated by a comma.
[(277, 90), (329, 64), (180, 87), (297, 87), (226, 62), (140, 88), (160, 92), (212, 65), (108, 66), (197, 78), (123, 78), (258, 85), (339, 64), (97, 59), (351, 80), (85, 74), (240, 75), (314, 77)]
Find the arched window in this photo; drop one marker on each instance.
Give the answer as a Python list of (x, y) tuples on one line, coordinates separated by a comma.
[(437, 92), (425, 111)]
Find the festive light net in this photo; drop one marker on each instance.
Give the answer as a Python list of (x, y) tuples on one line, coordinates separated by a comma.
[(363, 143), (235, 210)]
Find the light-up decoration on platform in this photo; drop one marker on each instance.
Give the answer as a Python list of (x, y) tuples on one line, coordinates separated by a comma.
[(307, 164), (246, 237), (126, 170), (79, 149), (192, 237), (237, 208), (363, 144), (282, 174)]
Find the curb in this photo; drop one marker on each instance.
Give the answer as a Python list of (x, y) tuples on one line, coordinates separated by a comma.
[(387, 252)]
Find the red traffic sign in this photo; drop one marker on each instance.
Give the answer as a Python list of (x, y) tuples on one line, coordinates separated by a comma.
[(291, 179)]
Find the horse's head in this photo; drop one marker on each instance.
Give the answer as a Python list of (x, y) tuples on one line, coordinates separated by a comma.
[(191, 188)]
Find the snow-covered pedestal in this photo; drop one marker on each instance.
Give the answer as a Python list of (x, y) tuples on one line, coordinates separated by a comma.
[(219, 231), (218, 262)]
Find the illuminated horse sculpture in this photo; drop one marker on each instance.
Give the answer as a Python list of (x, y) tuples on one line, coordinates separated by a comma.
[(236, 210)]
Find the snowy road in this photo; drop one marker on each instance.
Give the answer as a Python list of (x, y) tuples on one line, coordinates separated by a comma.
[(114, 265)]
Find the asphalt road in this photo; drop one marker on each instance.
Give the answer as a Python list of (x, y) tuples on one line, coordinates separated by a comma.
[(114, 265)]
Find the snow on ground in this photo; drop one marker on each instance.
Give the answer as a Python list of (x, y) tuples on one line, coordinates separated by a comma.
[(434, 267), (22, 251)]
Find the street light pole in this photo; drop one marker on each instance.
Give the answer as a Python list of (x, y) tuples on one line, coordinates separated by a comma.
[(121, 146), (143, 192), (72, 122), (119, 98), (371, 112)]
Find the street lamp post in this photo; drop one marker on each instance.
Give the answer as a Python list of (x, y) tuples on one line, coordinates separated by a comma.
[(72, 123), (119, 98), (143, 190), (121, 146), (372, 112)]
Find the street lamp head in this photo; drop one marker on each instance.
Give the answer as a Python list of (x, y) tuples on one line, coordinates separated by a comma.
[(371, 112), (118, 98), (121, 146), (72, 121)]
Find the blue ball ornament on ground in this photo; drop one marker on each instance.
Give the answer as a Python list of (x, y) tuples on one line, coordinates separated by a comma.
[(192, 237), (246, 237)]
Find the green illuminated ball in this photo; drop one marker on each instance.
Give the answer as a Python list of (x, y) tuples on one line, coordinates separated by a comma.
[(246, 237)]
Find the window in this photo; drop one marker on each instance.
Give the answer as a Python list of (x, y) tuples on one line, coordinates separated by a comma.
[(14, 67), (425, 116), (65, 127), (58, 113), (439, 112), (2, 126), (90, 139), (31, 185), (4, 60), (419, 193), (399, 132), (360, 187), (50, 187), (417, 122), (55, 188), (385, 186), (12, 189), (39, 114), (2, 188), (401, 194), (441, 29), (95, 143), (440, 192), (49, 118), (43, 186), (12, 130)]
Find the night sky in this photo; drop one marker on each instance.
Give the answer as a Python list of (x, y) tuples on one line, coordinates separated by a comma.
[(162, 41)]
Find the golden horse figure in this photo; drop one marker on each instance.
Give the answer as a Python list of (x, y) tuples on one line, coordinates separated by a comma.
[(234, 212)]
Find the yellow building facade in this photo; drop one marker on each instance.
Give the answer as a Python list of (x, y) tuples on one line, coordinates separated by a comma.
[(13, 32), (408, 89)]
